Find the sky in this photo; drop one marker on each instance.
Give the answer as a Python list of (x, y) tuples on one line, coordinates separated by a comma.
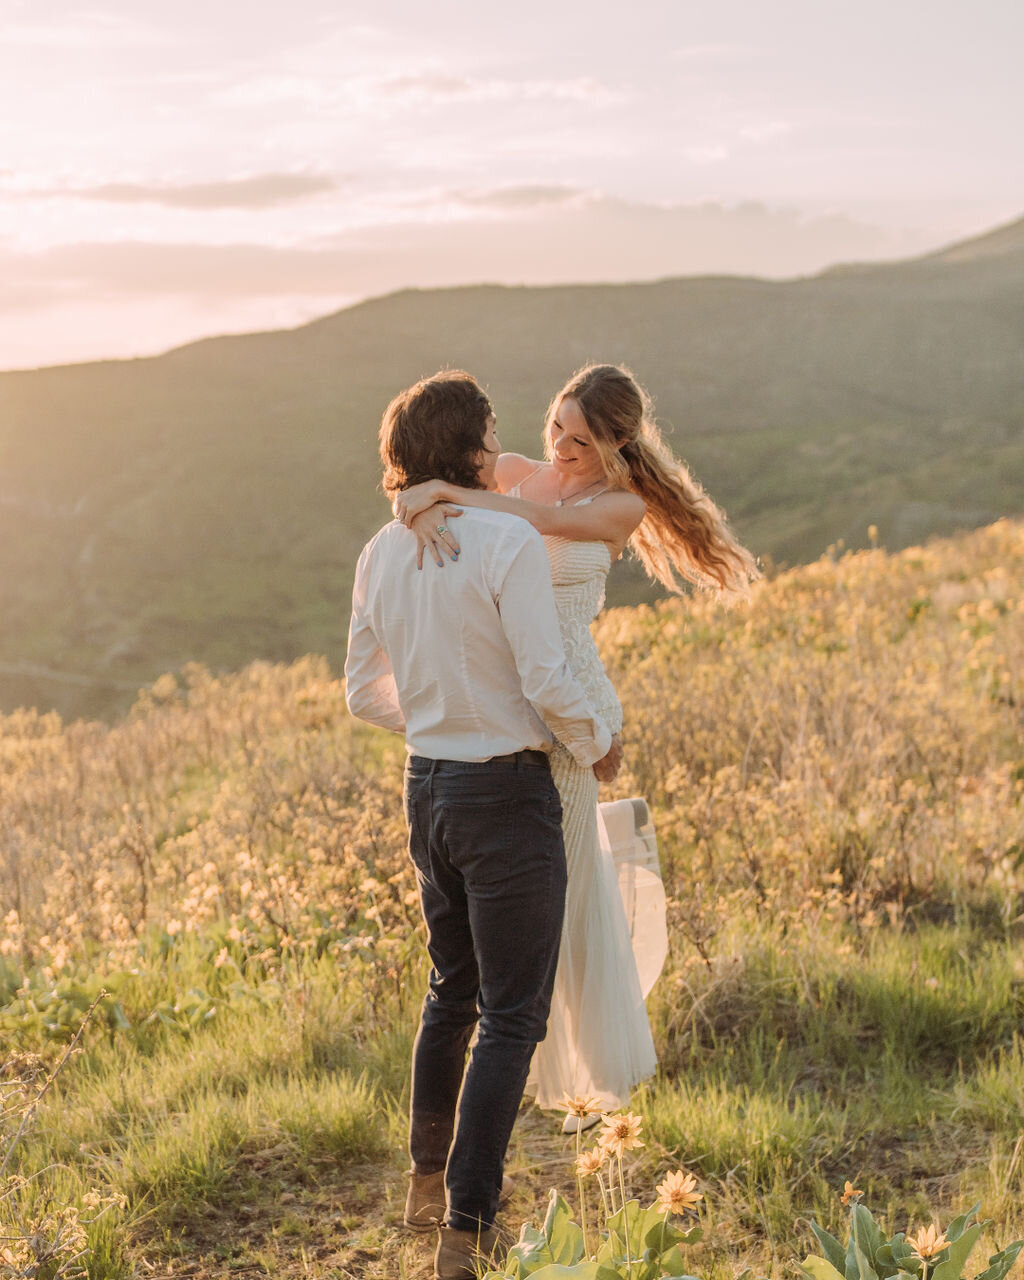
[(169, 172)]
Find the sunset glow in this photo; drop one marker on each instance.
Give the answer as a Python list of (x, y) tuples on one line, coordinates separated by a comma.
[(171, 173)]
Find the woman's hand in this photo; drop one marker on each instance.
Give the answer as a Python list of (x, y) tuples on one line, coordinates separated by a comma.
[(432, 533), (409, 503)]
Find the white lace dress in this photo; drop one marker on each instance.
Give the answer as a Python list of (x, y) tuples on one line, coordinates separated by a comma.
[(598, 1040)]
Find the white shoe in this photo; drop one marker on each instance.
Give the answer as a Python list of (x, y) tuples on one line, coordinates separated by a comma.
[(580, 1124)]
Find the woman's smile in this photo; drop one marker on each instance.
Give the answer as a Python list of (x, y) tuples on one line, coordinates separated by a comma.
[(571, 442)]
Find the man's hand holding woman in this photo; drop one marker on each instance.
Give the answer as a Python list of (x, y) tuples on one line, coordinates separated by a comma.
[(606, 769)]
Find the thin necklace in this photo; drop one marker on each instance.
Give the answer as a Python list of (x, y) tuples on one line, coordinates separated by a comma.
[(576, 492)]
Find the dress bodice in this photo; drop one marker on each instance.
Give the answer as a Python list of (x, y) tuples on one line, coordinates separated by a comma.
[(578, 573)]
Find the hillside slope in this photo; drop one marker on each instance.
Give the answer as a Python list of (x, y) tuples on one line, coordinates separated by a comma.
[(209, 503)]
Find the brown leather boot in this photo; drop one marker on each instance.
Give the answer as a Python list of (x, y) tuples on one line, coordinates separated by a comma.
[(425, 1202), (461, 1254)]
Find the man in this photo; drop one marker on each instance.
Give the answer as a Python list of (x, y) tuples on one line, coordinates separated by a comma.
[(469, 665)]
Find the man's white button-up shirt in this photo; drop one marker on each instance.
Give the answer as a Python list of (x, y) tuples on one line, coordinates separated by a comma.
[(466, 660)]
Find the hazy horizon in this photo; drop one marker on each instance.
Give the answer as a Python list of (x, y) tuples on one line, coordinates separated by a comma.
[(232, 170)]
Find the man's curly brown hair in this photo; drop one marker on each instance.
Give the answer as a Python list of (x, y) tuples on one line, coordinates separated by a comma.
[(435, 431)]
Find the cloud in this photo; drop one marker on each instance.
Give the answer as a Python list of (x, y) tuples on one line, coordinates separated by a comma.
[(719, 52), (102, 300), (766, 130), (708, 154), (132, 268), (412, 90), (431, 86), (86, 30), (439, 89), (523, 198), (262, 191), (276, 90), (578, 238)]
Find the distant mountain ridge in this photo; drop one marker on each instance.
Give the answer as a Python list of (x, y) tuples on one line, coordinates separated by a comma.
[(1003, 241), (209, 503), (1007, 239)]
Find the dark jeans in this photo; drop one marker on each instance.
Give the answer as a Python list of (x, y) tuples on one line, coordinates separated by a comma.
[(486, 840)]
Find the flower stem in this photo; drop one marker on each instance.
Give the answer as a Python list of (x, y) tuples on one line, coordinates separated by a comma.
[(579, 1184), (625, 1220), (605, 1202), (583, 1216)]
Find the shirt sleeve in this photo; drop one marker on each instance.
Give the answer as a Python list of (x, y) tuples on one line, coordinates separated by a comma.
[(370, 689), (529, 619)]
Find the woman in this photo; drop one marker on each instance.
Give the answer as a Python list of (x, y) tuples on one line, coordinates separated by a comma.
[(608, 481)]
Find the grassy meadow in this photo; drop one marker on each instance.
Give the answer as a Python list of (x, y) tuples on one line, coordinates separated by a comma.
[(836, 772)]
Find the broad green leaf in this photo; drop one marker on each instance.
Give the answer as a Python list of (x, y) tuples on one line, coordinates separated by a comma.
[(608, 1273), (858, 1265), (647, 1268), (1000, 1263), (819, 1268), (639, 1221), (956, 1255), (957, 1227), (672, 1264), (531, 1252), (647, 1220), (626, 1219), (565, 1239), (890, 1257), (608, 1250), (865, 1231), (662, 1236), (834, 1251)]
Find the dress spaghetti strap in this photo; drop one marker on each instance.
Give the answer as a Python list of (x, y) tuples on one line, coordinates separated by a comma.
[(583, 501), (514, 492)]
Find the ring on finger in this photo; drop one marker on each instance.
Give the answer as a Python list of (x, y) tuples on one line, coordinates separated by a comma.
[(442, 529)]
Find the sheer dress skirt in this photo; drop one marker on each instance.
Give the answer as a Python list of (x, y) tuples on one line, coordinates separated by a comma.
[(598, 1040)]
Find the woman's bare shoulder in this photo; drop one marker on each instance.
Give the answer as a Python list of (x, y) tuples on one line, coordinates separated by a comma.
[(624, 501), (512, 469), (621, 509)]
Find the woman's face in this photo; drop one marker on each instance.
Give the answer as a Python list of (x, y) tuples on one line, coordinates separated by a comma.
[(572, 446)]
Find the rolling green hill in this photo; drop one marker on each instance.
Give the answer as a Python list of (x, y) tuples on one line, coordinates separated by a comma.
[(209, 503)]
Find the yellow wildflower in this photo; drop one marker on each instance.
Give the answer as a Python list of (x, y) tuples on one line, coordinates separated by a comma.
[(850, 1192), (677, 1193), (621, 1133), (581, 1105), (590, 1161), (928, 1242)]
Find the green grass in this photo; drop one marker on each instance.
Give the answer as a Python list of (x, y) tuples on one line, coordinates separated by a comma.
[(836, 780), (894, 1060)]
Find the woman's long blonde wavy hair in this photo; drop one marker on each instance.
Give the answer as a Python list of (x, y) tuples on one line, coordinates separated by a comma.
[(683, 534)]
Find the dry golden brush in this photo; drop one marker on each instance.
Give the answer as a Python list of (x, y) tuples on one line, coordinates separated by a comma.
[(847, 741)]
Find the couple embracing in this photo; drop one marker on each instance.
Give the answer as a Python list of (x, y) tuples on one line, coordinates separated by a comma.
[(486, 664)]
